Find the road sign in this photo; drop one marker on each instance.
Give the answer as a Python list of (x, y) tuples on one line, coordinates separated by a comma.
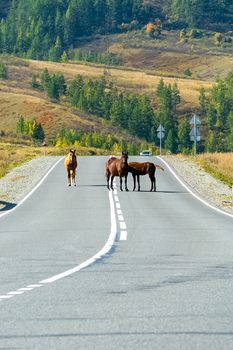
[(160, 128), (195, 120), (160, 135), (194, 132)]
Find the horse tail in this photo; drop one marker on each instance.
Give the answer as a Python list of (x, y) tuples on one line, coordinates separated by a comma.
[(159, 167)]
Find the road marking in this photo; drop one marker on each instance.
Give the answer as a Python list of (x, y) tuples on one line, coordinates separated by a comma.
[(123, 236), (122, 225), (35, 285), (192, 193), (123, 232), (15, 293), (6, 296), (25, 289), (107, 247), (121, 218), (105, 250)]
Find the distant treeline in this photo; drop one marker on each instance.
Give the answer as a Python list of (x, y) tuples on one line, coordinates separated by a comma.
[(107, 58), (70, 137), (43, 29), (135, 113)]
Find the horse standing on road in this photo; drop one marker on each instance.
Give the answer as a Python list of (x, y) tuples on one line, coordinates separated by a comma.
[(71, 165), (138, 169), (117, 167)]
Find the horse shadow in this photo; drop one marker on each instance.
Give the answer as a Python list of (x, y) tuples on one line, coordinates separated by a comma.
[(4, 206)]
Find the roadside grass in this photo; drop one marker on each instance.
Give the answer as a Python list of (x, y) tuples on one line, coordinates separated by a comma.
[(219, 165), (13, 155)]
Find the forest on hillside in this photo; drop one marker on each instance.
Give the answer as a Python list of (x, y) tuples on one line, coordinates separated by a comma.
[(44, 29), (135, 113)]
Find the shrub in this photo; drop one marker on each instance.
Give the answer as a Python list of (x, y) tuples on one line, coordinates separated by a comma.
[(195, 34), (188, 72)]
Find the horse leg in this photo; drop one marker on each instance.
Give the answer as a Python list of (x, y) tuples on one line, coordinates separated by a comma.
[(121, 183), (134, 182), (73, 177), (112, 178), (138, 180), (69, 179), (153, 183), (108, 177), (126, 188)]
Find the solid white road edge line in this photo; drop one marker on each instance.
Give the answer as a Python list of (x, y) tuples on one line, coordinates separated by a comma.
[(32, 191), (192, 193), (108, 245)]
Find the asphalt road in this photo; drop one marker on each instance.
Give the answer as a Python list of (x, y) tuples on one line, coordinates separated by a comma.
[(85, 268)]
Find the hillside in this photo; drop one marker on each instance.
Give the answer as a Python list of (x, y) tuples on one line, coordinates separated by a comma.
[(166, 55), (18, 98)]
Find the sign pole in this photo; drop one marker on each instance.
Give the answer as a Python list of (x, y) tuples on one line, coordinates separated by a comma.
[(160, 135), (195, 133), (160, 145)]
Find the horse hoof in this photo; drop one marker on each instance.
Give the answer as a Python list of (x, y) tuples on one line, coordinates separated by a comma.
[(68, 185), (127, 190)]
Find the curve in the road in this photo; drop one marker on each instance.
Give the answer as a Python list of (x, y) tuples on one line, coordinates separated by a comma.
[(192, 193)]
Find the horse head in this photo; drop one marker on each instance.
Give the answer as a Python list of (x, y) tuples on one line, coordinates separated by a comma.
[(124, 157), (72, 156)]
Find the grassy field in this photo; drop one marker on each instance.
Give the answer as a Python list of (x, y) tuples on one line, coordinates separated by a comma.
[(12, 155), (220, 165)]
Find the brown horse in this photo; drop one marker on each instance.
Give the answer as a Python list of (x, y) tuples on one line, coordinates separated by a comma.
[(138, 169), (71, 165), (117, 167)]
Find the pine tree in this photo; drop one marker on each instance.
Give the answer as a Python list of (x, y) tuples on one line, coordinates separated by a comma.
[(20, 127), (183, 136), (38, 132), (3, 71)]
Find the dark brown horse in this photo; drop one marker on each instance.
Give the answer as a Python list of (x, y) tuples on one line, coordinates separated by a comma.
[(117, 167), (138, 169), (71, 165)]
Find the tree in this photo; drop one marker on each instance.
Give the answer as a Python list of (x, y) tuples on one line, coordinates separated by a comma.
[(3, 71), (45, 79), (64, 57), (183, 136), (117, 111), (20, 126), (55, 52), (168, 98), (38, 132)]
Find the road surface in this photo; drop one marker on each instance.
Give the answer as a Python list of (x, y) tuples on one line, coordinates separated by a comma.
[(85, 268)]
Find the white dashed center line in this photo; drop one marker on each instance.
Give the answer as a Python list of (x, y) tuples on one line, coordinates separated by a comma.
[(115, 213)]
